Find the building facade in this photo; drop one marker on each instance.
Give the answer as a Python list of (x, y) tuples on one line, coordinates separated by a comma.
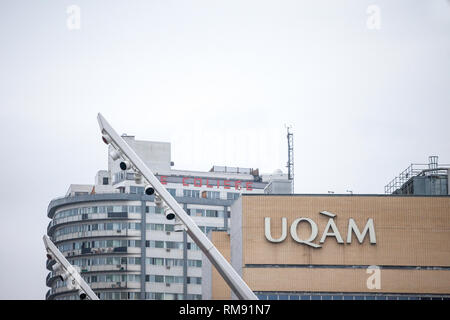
[(123, 244), (336, 247)]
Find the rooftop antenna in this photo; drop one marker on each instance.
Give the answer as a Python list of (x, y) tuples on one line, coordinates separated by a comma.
[(290, 162)]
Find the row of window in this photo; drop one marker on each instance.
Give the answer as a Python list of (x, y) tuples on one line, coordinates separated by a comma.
[(344, 297), (125, 243), (98, 227), (89, 211), (132, 278), (121, 226), (117, 296), (140, 190), (97, 209), (172, 262), (155, 261), (170, 227), (98, 244), (98, 261), (102, 278), (171, 296), (112, 278), (207, 194), (170, 245), (136, 296), (205, 213), (172, 279)]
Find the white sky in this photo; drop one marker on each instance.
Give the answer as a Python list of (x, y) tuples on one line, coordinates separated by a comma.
[(217, 79)]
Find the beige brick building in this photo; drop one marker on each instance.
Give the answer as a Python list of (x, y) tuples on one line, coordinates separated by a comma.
[(337, 247)]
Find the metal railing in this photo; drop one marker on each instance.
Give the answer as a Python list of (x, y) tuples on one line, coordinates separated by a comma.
[(414, 170)]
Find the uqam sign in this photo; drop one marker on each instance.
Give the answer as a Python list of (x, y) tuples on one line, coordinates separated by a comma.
[(331, 230)]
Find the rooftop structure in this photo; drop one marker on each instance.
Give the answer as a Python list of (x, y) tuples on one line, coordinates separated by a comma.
[(421, 179)]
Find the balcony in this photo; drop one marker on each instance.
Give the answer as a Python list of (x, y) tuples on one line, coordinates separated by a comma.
[(49, 264), (51, 277)]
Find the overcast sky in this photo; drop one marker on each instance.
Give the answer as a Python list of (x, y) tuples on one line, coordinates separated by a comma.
[(364, 84)]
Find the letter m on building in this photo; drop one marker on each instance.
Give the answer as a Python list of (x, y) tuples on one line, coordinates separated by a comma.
[(353, 228)]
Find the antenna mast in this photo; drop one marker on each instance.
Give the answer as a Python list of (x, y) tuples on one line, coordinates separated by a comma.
[(290, 163)]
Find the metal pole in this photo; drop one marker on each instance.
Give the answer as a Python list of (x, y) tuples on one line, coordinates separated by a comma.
[(59, 258), (231, 277)]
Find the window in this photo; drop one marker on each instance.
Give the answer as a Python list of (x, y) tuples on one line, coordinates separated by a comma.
[(174, 262), (173, 192), (194, 280), (213, 194), (212, 213), (155, 261), (195, 263), (154, 278), (232, 195), (173, 245), (154, 244), (192, 246), (155, 226), (191, 193), (136, 190), (105, 180), (199, 213)]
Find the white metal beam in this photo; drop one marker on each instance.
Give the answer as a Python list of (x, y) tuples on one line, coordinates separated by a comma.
[(74, 275), (232, 278)]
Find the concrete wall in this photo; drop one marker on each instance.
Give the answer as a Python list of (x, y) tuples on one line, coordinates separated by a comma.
[(155, 154), (213, 285)]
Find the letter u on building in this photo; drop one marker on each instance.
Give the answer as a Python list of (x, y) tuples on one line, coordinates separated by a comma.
[(268, 233)]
